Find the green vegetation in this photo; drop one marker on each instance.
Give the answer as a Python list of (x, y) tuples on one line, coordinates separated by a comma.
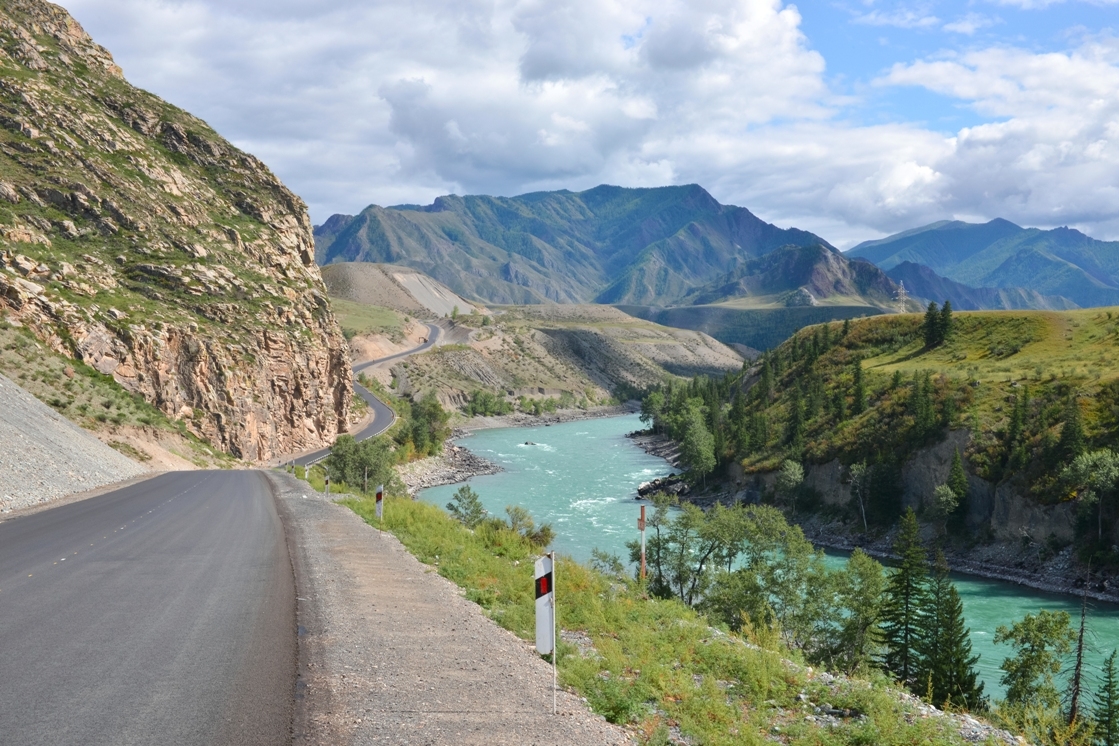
[(487, 404), (466, 507), (655, 663), (1106, 709), (361, 318), (1036, 390), (421, 425)]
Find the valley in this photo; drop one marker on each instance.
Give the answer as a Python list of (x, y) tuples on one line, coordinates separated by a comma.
[(227, 438)]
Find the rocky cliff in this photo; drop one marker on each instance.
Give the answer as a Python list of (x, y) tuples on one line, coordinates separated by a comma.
[(134, 238)]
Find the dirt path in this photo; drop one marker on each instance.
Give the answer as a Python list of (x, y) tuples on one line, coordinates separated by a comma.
[(391, 653)]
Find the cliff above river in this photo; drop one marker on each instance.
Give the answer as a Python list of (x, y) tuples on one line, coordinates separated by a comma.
[(135, 239)]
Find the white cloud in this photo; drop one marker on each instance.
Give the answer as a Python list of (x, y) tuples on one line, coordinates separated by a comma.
[(400, 101), (1037, 4), (970, 23), (904, 18)]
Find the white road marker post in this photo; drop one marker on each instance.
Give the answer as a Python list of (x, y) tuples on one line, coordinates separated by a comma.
[(380, 505), (546, 613)]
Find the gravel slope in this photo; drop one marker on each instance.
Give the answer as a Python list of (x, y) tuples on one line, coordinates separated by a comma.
[(391, 653), (44, 456)]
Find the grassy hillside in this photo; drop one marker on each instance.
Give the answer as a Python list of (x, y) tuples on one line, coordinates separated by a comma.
[(135, 239), (607, 244), (1013, 379)]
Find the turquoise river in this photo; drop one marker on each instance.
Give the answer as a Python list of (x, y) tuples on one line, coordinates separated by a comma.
[(582, 478)]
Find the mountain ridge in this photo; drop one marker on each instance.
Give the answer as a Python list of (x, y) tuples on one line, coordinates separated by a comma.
[(999, 254), (607, 244)]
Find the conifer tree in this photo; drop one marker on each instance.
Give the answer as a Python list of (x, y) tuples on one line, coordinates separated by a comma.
[(1072, 442), (945, 323), (794, 427), (1106, 710), (859, 405), (905, 597), (957, 477), (932, 325), (946, 666), (846, 327)]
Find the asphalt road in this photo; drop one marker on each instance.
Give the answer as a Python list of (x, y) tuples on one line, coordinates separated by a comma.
[(383, 417), (161, 613)]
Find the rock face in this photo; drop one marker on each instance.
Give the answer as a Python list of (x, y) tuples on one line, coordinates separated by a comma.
[(134, 238), (1001, 511)]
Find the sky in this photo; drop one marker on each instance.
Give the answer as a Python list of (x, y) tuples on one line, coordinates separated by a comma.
[(853, 119)]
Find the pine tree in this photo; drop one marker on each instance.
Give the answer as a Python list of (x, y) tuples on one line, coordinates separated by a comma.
[(957, 477), (921, 405), (794, 427), (1106, 710), (859, 405), (1072, 442), (932, 325), (846, 327), (946, 666), (905, 595), (945, 323)]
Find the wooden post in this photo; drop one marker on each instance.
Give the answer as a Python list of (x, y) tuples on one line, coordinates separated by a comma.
[(641, 526)]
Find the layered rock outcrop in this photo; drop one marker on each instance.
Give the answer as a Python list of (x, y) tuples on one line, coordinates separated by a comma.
[(136, 239)]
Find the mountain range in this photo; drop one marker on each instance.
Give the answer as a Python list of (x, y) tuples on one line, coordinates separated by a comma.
[(604, 245), (1062, 262)]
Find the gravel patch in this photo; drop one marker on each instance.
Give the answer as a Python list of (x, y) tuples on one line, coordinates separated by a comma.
[(392, 653), (45, 457)]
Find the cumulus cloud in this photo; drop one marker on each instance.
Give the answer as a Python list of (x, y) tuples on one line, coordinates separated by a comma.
[(398, 101)]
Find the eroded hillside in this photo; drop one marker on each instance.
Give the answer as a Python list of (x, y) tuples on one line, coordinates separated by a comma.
[(578, 354), (137, 240)]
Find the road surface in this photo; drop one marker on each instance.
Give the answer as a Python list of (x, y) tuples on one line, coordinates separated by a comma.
[(383, 417), (163, 612)]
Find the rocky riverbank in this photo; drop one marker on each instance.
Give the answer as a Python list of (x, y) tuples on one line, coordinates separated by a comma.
[(1032, 566), (455, 464), (660, 446), (520, 419)]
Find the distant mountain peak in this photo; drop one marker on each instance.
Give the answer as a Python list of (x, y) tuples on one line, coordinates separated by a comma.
[(608, 244)]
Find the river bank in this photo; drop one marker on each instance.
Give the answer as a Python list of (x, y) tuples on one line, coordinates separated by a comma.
[(458, 464), (1031, 566), (1028, 566)]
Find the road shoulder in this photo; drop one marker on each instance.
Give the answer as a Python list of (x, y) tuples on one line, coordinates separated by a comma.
[(390, 652)]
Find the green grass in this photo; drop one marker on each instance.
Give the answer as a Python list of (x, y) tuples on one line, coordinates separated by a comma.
[(361, 318), (655, 665), (991, 358)]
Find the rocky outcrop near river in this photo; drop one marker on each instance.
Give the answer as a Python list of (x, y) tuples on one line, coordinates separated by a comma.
[(135, 239)]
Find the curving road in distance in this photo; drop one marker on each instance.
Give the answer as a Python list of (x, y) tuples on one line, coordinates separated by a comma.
[(383, 417), (161, 613)]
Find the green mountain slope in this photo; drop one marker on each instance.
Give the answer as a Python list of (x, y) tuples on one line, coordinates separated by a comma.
[(135, 239), (1000, 254), (607, 244), (921, 282)]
